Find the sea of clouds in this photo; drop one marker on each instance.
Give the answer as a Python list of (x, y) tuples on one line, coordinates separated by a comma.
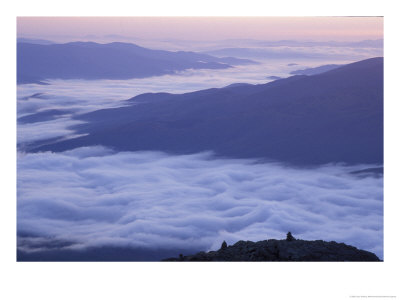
[(317, 54), (93, 197)]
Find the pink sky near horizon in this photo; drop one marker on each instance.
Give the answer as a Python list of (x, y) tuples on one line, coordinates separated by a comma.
[(205, 28)]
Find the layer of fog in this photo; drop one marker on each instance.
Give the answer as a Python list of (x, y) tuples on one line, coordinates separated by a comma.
[(298, 53), (95, 197), (181, 82)]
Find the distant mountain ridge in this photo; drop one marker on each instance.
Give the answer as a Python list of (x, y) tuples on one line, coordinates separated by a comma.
[(88, 60), (34, 41), (336, 116)]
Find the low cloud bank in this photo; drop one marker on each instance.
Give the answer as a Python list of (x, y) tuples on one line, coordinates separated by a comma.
[(32, 132), (90, 197), (299, 53)]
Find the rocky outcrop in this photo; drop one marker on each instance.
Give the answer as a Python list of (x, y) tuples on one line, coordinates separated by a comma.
[(290, 249)]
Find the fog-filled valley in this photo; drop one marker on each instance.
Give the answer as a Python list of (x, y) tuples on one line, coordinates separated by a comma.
[(95, 197), (101, 170)]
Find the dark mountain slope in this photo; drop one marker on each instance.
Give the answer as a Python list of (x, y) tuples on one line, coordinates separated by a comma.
[(336, 116), (88, 60)]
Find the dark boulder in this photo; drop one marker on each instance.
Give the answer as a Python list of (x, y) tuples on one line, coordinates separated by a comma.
[(224, 245), (289, 237)]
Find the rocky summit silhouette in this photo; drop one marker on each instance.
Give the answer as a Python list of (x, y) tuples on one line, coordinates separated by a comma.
[(290, 249)]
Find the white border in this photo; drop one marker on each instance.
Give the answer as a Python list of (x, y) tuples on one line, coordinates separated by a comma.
[(200, 280)]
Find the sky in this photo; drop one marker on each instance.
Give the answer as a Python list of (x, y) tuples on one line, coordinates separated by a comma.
[(204, 28)]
